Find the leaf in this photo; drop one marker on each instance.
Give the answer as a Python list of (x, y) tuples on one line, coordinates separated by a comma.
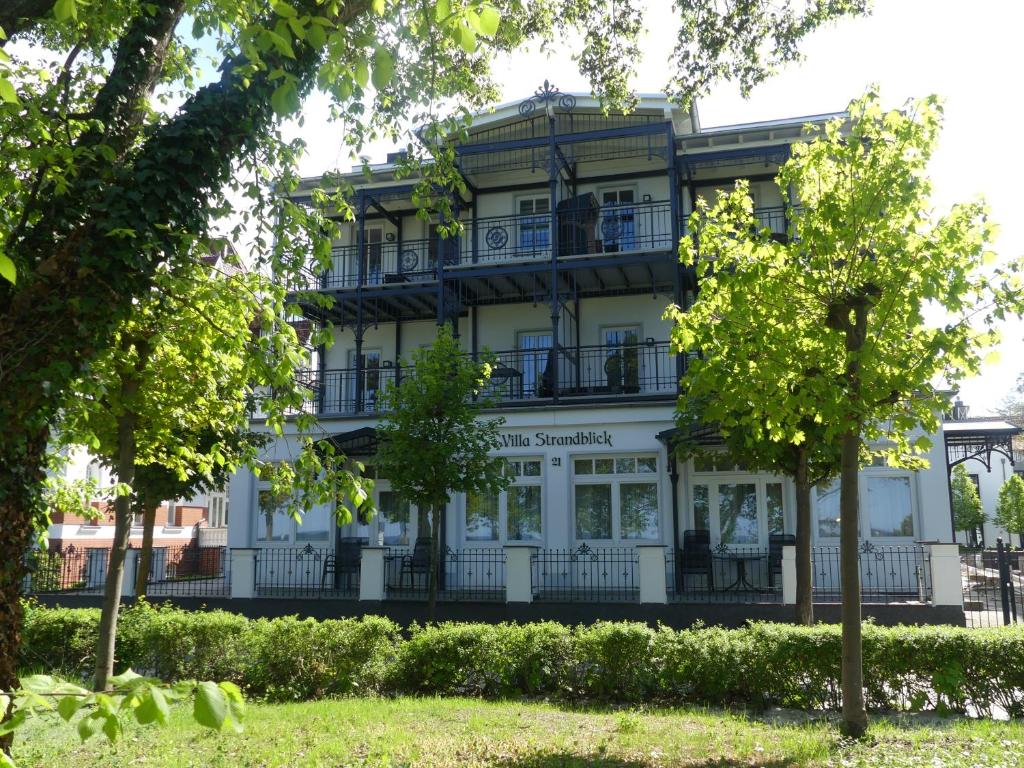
[(442, 10), (467, 39), (211, 707), (383, 68), (378, 7), (65, 9), (362, 73), (285, 99), (67, 706), (236, 703), (13, 722), (111, 727), (7, 270), (90, 726), (489, 20), (7, 92), (153, 707)]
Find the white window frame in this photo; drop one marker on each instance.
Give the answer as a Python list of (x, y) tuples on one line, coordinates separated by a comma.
[(615, 480), (726, 476), (864, 532), (502, 522), (292, 538), (520, 218)]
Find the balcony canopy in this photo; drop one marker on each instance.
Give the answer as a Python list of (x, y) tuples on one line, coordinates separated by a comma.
[(978, 439)]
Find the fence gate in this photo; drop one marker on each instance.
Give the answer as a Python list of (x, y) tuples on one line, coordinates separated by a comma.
[(993, 588)]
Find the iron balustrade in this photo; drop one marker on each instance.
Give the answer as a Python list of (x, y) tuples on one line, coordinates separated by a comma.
[(332, 392), (470, 573), (593, 370), (70, 569), (385, 262), (888, 573), (188, 570), (727, 573), (304, 572), (596, 574), (993, 586)]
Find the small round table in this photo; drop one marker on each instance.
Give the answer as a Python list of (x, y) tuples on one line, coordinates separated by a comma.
[(741, 571)]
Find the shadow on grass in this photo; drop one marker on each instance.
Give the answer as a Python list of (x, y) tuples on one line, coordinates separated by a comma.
[(567, 760)]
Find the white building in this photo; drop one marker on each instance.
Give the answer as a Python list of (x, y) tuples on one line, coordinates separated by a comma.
[(566, 264)]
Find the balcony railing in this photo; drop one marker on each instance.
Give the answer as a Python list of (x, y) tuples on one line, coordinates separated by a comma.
[(588, 371)]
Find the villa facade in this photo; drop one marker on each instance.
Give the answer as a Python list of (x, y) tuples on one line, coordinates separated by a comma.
[(566, 263)]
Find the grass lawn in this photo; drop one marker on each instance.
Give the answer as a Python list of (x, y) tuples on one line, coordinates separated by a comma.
[(468, 732)]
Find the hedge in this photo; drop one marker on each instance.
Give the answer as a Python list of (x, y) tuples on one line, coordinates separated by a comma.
[(949, 669)]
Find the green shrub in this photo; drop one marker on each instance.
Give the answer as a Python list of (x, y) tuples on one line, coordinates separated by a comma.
[(948, 669)]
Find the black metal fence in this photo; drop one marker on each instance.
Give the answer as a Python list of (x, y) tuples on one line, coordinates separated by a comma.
[(600, 574), (188, 570), (724, 574), (71, 569), (471, 573), (305, 572), (888, 574), (993, 586)]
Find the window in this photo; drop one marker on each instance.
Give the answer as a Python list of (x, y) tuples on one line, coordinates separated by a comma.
[(740, 509), (394, 519), (886, 504), (272, 523), (517, 512), (534, 223), (371, 377), (218, 511), (889, 506), (622, 358), (616, 498), (618, 225), (534, 353)]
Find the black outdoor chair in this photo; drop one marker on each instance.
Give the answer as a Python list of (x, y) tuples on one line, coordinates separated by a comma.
[(695, 558), (345, 560), (417, 562), (776, 541)]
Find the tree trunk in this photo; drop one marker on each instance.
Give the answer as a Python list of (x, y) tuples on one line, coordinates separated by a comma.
[(435, 559), (115, 567), (146, 553), (22, 475), (804, 577), (855, 718)]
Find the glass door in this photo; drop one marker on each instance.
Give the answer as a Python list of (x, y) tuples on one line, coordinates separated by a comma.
[(618, 220), (622, 358), (370, 377), (534, 357)]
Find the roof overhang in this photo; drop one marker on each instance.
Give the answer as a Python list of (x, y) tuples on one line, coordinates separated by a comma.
[(978, 440)]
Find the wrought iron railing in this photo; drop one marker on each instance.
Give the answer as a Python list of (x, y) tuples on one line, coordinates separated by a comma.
[(646, 368), (188, 570), (888, 573), (69, 569), (334, 391), (384, 263), (470, 573), (725, 574), (305, 572), (598, 574)]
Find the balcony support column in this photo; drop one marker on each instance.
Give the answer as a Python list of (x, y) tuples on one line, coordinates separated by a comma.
[(360, 281), (475, 241), (440, 272), (553, 176)]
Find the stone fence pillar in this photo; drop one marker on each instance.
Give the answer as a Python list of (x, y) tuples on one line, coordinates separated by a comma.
[(789, 575), (371, 573), (243, 574), (653, 586), (519, 573), (947, 582)]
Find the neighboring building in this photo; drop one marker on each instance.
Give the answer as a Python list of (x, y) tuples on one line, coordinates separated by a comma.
[(178, 521), (991, 462), (567, 262)]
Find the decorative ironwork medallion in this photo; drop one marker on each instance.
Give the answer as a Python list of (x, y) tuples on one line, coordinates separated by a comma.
[(409, 260), (496, 238), (611, 227), (544, 95)]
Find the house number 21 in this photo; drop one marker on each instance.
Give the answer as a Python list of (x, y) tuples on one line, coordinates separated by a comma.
[(556, 461)]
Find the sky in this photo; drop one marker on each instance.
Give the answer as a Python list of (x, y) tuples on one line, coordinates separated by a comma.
[(968, 53)]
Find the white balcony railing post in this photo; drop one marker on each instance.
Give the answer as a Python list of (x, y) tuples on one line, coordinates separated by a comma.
[(653, 586), (519, 573), (947, 582), (371, 573), (243, 574), (789, 575)]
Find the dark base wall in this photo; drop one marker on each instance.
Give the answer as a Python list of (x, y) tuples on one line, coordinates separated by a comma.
[(676, 616)]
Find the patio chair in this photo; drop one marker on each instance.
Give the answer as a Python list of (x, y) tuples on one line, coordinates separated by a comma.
[(776, 541), (417, 562), (345, 560), (695, 558)]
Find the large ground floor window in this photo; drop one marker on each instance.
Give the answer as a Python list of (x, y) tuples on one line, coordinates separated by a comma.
[(886, 506), (516, 514), (615, 498), (740, 510)]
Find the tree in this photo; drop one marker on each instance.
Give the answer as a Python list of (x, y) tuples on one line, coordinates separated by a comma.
[(869, 257), (1010, 507), (432, 440), (168, 407), (968, 514), (100, 190)]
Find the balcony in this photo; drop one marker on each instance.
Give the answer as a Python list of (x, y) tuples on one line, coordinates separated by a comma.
[(601, 372)]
